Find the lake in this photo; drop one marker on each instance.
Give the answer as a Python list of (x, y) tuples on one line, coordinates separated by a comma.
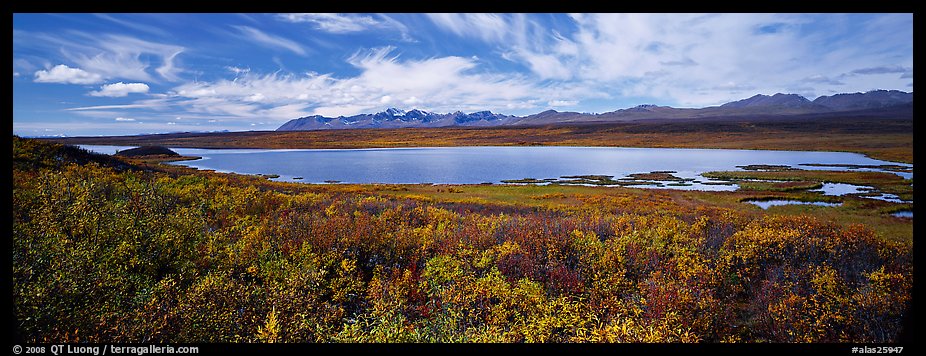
[(837, 189), (491, 164), (765, 204)]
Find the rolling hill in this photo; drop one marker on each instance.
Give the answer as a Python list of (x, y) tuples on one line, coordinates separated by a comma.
[(759, 105)]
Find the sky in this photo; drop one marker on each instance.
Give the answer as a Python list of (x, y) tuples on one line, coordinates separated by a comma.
[(121, 74)]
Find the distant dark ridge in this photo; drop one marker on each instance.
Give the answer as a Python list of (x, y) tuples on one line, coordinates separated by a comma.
[(871, 100), (783, 105), (777, 100), (396, 118), (147, 151)]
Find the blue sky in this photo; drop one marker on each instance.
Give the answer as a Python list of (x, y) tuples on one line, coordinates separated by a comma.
[(109, 74)]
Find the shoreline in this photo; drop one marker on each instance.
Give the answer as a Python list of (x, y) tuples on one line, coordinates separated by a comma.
[(896, 155)]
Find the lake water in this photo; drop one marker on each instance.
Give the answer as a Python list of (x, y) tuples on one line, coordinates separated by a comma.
[(765, 204), (837, 189), (489, 164), (841, 189)]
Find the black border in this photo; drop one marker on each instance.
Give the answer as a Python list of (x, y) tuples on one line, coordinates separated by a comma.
[(907, 337), (395, 6)]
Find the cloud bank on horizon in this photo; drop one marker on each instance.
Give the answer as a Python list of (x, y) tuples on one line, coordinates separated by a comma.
[(109, 74)]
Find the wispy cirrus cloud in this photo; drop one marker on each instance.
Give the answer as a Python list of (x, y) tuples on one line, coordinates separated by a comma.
[(690, 59), (271, 41), (442, 84), (158, 104), (349, 23), (487, 27), (817, 78), (124, 57), (135, 25), (334, 23), (881, 70), (239, 70), (109, 56)]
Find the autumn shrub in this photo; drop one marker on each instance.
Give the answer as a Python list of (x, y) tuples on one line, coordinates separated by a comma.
[(104, 254)]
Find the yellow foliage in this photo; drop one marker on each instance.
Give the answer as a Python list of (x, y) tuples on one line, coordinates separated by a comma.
[(270, 331)]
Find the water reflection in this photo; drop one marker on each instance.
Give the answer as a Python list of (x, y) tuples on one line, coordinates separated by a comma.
[(479, 164), (765, 204)]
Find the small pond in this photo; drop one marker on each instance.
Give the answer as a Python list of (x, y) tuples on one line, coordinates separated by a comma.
[(765, 204)]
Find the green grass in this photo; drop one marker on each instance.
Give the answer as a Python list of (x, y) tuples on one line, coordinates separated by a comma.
[(855, 210), (780, 186), (884, 182), (874, 213)]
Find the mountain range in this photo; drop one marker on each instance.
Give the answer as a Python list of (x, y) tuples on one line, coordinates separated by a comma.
[(764, 105)]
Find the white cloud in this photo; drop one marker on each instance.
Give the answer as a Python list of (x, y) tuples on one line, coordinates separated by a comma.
[(196, 91), (546, 66), (725, 56), (350, 23), (341, 110), (334, 23), (237, 70), (692, 59), (135, 25), (167, 70), (733, 87), (411, 101), (590, 61), (267, 40), (488, 27), (137, 105), (120, 89), (98, 127), (67, 75), (443, 84), (21, 65), (817, 78), (124, 119), (274, 88), (218, 106), (602, 59), (124, 57), (108, 55), (881, 70), (562, 102), (256, 97), (389, 22), (284, 112)]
